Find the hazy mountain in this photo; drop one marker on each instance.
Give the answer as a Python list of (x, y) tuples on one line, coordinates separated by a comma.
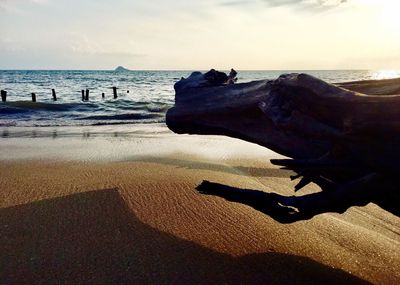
[(121, 69)]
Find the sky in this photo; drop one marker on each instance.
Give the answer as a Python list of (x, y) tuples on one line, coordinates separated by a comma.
[(199, 35)]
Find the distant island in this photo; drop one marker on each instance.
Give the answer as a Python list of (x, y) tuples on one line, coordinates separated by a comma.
[(121, 69)]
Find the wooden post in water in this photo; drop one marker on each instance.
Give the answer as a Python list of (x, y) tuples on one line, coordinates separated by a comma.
[(102, 95), (115, 92), (53, 91), (87, 95), (83, 95), (33, 97), (3, 95)]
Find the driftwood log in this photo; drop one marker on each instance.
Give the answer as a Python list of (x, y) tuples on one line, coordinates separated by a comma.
[(345, 141)]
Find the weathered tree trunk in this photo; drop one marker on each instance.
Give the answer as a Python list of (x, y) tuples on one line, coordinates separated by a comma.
[(296, 115), (334, 133)]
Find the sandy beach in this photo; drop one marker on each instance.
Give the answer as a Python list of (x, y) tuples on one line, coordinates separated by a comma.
[(119, 205), (199, 142)]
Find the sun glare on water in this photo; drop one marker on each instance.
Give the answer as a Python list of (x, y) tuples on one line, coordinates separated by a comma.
[(386, 74)]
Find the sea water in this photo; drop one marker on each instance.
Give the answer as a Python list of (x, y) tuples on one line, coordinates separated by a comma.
[(143, 96)]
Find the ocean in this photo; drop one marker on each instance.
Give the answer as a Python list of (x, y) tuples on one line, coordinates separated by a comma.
[(143, 96)]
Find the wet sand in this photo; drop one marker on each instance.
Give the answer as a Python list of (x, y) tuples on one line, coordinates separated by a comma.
[(131, 216)]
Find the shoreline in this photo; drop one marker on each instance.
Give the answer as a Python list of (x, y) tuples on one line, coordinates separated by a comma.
[(116, 143)]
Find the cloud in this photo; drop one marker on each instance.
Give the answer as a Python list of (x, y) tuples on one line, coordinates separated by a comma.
[(19, 7), (235, 3), (79, 43), (315, 3), (7, 44), (301, 4), (39, 2)]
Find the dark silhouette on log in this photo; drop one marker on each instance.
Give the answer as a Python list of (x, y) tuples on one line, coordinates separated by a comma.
[(232, 77), (33, 97), (217, 78), (3, 95), (115, 92), (53, 91), (344, 141)]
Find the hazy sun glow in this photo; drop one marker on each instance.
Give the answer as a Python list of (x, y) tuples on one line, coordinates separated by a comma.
[(391, 13)]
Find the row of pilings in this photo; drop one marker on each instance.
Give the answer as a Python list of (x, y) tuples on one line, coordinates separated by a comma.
[(85, 95)]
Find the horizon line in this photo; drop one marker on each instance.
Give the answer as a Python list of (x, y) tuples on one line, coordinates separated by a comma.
[(286, 69)]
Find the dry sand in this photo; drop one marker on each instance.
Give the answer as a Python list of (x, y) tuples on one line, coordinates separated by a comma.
[(138, 219)]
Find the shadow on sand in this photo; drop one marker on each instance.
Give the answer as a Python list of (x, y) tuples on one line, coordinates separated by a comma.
[(289, 209), (198, 165), (94, 237)]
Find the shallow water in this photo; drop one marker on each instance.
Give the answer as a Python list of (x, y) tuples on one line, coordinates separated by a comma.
[(150, 94)]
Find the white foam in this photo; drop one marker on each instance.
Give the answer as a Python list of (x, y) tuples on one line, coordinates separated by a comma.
[(117, 143)]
